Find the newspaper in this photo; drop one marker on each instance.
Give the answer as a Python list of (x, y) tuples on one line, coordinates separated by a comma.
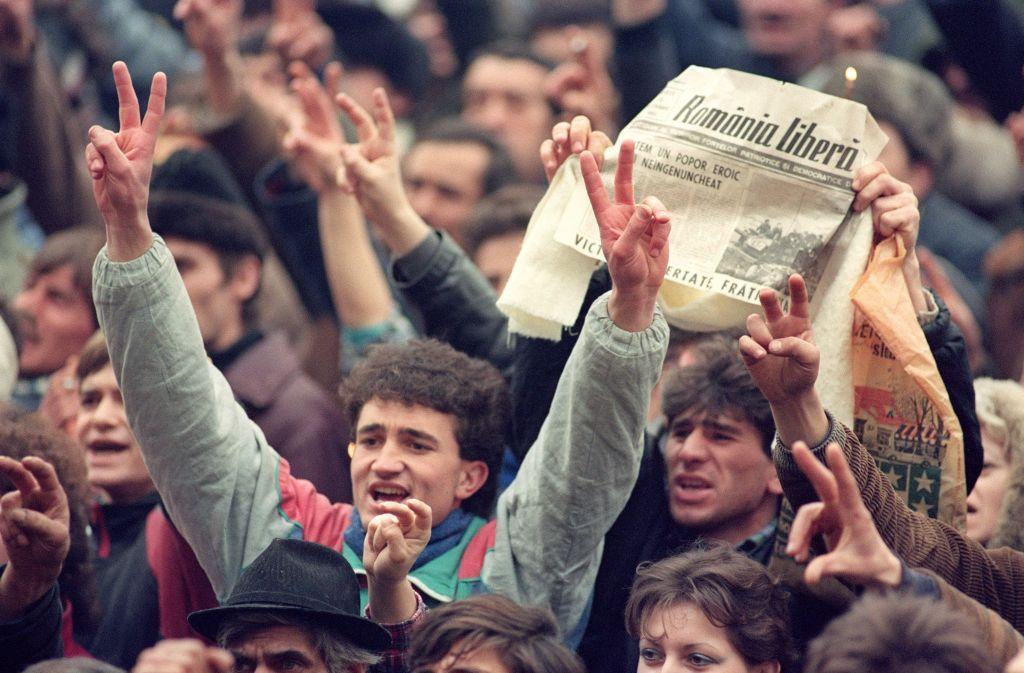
[(756, 174)]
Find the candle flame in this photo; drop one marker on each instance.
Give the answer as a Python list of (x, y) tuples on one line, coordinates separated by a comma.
[(851, 74)]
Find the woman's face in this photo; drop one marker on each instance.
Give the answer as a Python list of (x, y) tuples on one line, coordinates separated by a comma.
[(986, 499), (680, 638)]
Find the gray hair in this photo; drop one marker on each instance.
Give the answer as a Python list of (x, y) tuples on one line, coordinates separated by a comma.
[(338, 653)]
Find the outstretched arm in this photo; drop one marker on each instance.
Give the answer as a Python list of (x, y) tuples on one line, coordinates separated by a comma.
[(579, 473), (227, 491)]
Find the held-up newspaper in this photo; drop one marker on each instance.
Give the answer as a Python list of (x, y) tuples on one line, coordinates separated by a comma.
[(756, 174)]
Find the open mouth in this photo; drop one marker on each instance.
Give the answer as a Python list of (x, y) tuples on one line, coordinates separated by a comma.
[(688, 483), (106, 446), (389, 494)]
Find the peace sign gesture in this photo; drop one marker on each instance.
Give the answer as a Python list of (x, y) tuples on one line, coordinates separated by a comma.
[(633, 239), (857, 552), (121, 164)]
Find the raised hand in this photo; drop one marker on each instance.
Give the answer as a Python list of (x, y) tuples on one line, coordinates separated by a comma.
[(299, 34), (568, 138), (583, 85), (314, 144), (121, 165), (779, 349), (857, 552), (894, 213), (184, 656), (34, 529), (395, 539), (633, 238), (372, 165)]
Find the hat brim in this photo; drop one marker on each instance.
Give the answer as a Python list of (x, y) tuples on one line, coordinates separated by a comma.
[(361, 632)]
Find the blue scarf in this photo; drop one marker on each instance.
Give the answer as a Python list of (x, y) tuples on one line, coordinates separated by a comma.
[(444, 536)]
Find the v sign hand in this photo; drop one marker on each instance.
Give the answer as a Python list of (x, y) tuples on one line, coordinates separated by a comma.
[(121, 164), (633, 238)]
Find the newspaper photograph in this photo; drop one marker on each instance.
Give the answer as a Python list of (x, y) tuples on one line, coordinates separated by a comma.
[(756, 174)]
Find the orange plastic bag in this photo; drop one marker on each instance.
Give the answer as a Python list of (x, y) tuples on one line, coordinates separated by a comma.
[(902, 412)]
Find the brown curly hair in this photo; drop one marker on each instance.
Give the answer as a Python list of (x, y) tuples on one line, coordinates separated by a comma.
[(22, 435), (432, 374), (733, 591)]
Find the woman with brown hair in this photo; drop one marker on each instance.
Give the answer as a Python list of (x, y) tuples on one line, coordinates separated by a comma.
[(711, 609)]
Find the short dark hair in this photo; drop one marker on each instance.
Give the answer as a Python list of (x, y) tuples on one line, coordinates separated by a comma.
[(524, 637), (231, 230), (735, 593), (73, 665), (718, 383), (93, 356), (506, 211), (454, 130), (76, 248), (432, 374), (562, 13), (513, 50), (899, 634)]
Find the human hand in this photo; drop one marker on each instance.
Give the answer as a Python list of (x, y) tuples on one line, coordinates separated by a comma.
[(184, 656), (893, 213), (857, 552), (34, 529), (121, 165), (568, 138), (372, 165), (779, 349), (395, 539), (583, 86), (633, 239), (1016, 664), (211, 26), (60, 403), (314, 143), (17, 30), (299, 34)]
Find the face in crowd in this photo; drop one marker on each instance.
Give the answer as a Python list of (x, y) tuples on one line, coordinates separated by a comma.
[(985, 502), (217, 294), (56, 321), (681, 638), (721, 483), (112, 455), (506, 97), (787, 30), (445, 181), (410, 451)]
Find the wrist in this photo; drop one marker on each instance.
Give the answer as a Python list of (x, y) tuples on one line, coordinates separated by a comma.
[(404, 231), (632, 311), (18, 592), (128, 238), (801, 418)]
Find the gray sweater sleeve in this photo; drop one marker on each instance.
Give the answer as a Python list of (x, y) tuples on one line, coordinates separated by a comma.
[(214, 469), (579, 473)]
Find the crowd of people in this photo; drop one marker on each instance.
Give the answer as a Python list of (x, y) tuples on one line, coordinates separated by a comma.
[(259, 410)]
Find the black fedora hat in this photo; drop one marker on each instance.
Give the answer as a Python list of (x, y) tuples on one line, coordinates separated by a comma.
[(300, 578)]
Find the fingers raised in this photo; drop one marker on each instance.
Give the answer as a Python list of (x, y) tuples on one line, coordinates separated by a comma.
[(799, 302), (157, 104), (383, 114), (127, 101), (366, 129), (847, 491), (18, 474), (624, 174), (595, 186)]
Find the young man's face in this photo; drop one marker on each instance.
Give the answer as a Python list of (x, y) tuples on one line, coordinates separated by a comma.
[(278, 649), (445, 181), (720, 482), (506, 97), (55, 321), (216, 299), (112, 456), (410, 451)]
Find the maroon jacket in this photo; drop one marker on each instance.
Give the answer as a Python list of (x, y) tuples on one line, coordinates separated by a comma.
[(299, 419)]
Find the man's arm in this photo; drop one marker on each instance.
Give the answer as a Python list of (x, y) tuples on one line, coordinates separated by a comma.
[(577, 477), (226, 489)]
